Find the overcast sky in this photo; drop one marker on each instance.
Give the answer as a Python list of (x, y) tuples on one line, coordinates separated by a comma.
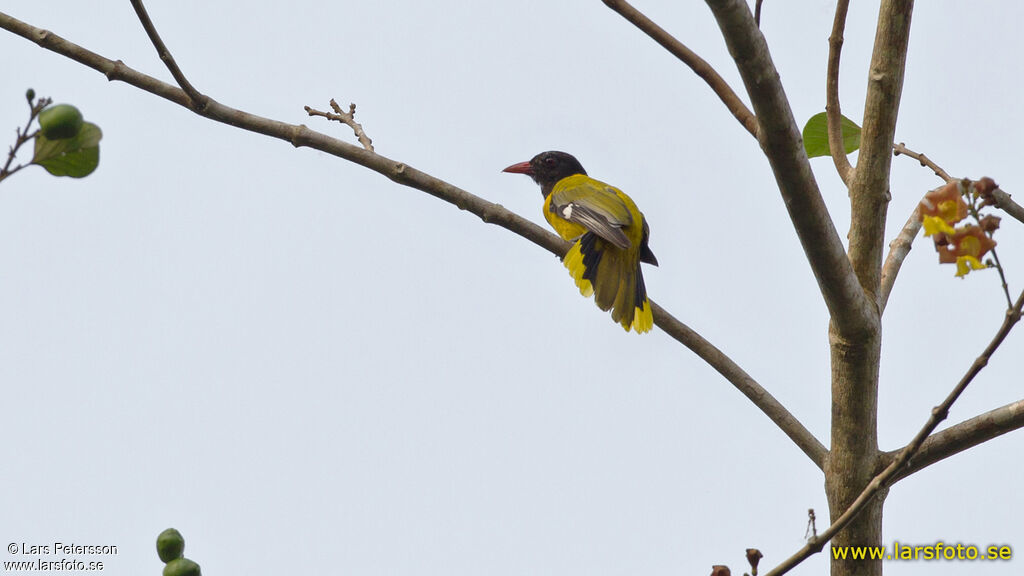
[(309, 369)]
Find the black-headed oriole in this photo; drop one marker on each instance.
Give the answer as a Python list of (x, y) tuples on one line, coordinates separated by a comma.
[(608, 231)]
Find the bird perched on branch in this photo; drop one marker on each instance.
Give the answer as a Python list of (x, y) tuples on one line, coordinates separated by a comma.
[(608, 231)]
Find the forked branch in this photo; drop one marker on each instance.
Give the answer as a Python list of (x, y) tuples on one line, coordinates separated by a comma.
[(198, 99), (962, 436), (902, 464), (869, 187), (851, 311), (900, 247), (347, 118)]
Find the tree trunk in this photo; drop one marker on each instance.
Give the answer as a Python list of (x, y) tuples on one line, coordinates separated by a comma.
[(854, 457)]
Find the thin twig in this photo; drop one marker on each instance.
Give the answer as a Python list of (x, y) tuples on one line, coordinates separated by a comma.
[(348, 118), (757, 13), (1003, 201), (406, 175), (23, 136), (718, 84), (960, 437), (198, 100), (832, 110), (901, 148), (941, 412), (1002, 276), (890, 474), (974, 205), (812, 526)]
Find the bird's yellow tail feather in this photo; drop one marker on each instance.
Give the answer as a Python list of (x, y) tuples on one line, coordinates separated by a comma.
[(606, 273)]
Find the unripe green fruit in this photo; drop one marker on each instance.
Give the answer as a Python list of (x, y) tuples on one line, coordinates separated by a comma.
[(60, 122), (182, 567), (30, 95), (170, 545)]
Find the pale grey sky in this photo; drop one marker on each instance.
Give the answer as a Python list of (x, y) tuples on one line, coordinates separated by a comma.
[(308, 369)]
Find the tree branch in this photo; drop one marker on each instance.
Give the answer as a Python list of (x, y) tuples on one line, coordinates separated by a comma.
[(761, 398), (832, 110), (901, 148), (297, 135), (347, 118), (696, 63), (406, 175), (962, 436), (899, 248), (1004, 202), (198, 100), (869, 187), (1008, 418), (782, 143), (23, 136), (953, 442)]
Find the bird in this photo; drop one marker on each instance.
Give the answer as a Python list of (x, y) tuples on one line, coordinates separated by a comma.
[(609, 235)]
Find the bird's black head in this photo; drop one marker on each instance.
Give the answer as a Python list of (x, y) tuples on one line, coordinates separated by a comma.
[(547, 168)]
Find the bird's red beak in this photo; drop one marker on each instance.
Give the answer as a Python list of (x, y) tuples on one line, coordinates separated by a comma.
[(521, 168)]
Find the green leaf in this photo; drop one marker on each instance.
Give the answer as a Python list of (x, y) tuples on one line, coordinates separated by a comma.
[(816, 135), (75, 157)]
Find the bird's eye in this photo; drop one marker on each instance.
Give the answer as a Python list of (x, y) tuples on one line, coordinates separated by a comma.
[(550, 161)]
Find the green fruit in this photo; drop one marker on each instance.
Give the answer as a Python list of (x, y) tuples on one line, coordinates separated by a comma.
[(30, 95), (182, 567), (170, 545), (60, 122)]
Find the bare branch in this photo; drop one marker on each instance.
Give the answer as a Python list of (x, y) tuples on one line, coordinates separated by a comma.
[(780, 138), (964, 435), (899, 248), (696, 63), (896, 468), (757, 13), (941, 412), (297, 135), (23, 136), (901, 148), (832, 110), (198, 100), (761, 398), (1007, 204), (408, 176), (348, 118), (869, 187)]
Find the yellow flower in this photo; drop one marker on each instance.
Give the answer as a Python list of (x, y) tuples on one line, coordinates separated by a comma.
[(965, 264), (942, 207), (936, 224), (966, 247)]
